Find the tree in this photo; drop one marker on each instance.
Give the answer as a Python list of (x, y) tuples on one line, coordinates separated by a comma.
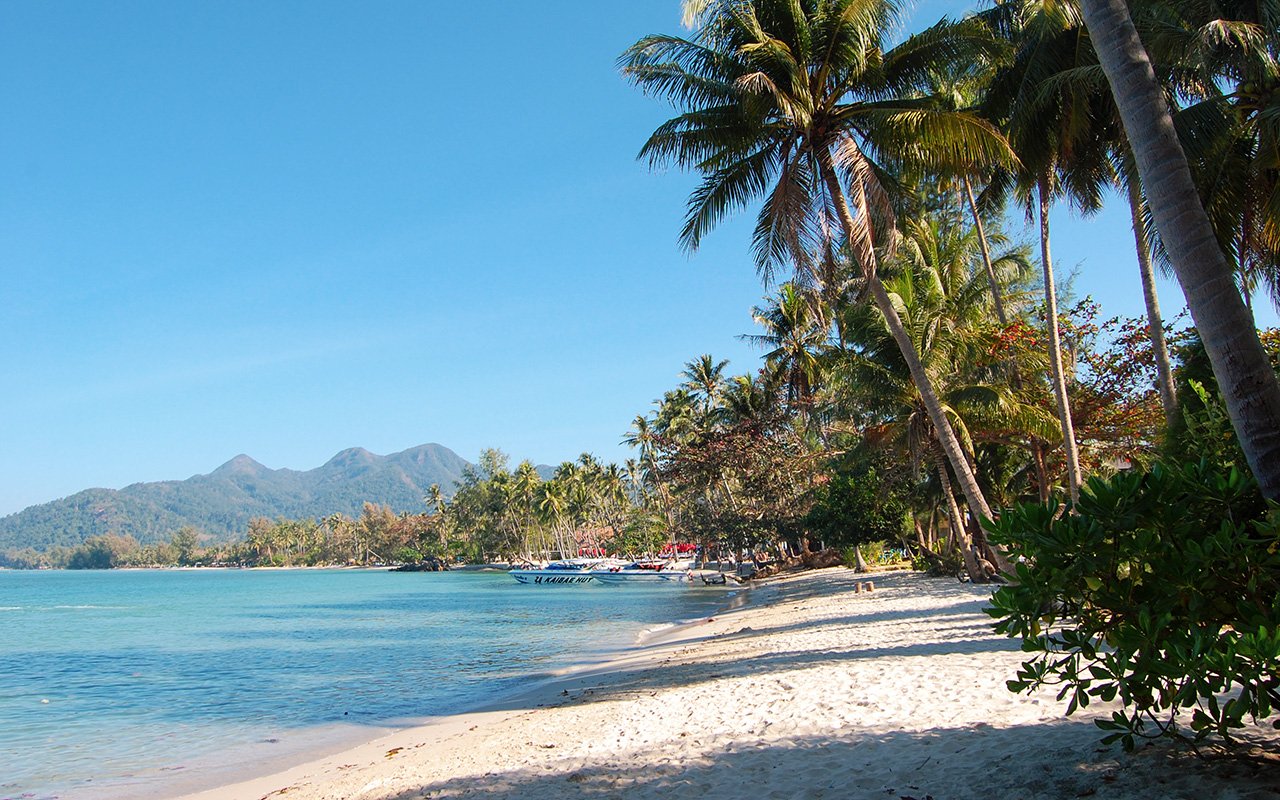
[(799, 105), (1223, 57), (704, 378), (103, 552), (1057, 124), (856, 507), (794, 339), (1249, 385), (1132, 184), (945, 304), (185, 541)]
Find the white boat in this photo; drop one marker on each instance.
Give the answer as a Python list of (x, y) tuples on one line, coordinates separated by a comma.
[(644, 572), (567, 571)]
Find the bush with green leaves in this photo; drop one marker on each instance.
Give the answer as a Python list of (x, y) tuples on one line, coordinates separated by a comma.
[(1163, 591), (856, 507)]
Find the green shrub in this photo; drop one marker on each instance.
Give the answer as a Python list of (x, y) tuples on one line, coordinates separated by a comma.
[(1163, 591), (854, 508), (848, 557), (872, 551)]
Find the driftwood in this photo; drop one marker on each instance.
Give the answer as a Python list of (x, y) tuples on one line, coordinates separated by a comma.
[(830, 557)]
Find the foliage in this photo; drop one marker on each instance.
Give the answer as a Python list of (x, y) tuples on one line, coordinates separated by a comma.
[(725, 460), (855, 508), (1203, 429), (1162, 590), (1114, 401), (497, 514), (102, 552)]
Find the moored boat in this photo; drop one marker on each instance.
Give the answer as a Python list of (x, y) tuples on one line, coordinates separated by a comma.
[(657, 571), (566, 571)]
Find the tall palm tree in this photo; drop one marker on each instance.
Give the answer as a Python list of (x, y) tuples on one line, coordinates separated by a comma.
[(1056, 124), (961, 85), (1230, 129), (945, 305), (1127, 173), (1249, 385), (800, 105), (435, 498)]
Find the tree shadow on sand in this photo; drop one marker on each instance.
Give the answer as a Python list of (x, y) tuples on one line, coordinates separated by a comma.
[(1051, 760)]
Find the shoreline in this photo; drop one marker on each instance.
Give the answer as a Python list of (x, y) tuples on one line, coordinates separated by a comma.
[(548, 689), (326, 666), (808, 689)]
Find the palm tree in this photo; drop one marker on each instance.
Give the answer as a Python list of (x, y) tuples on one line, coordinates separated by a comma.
[(959, 87), (704, 377), (1056, 123), (945, 304), (795, 339), (552, 507), (1249, 385), (798, 104), (1132, 184), (679, 416), (1229, 51)]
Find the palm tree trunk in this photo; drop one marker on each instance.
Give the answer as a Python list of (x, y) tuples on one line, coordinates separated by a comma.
[(1037, 448), (986, 254), (1164, 374), (1058, 375), (1248, 383), (958, 532), (946, 435), (860, 563), (1042, 472)]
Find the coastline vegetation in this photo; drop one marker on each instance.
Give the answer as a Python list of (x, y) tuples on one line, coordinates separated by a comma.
[(1139, 497)]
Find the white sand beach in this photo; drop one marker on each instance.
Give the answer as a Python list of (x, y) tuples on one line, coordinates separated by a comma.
[(810, 690)]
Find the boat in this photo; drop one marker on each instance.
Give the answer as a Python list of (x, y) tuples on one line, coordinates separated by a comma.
[(648, 571), (565, 571)]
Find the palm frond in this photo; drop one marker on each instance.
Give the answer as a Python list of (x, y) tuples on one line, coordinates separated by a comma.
[(725, 189)]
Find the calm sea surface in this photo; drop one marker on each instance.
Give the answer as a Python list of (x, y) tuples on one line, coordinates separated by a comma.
[(138, 683)]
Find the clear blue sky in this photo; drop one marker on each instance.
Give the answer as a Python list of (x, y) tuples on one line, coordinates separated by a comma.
[(288, 228)]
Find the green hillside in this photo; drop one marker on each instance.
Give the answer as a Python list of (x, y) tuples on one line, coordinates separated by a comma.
[(222, 502)]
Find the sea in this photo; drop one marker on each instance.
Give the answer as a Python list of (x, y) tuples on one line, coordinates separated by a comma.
[(150, 683)]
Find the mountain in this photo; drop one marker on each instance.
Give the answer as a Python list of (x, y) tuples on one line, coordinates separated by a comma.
[(223, 501)]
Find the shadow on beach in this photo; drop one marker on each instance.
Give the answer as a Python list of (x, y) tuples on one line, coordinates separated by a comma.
[(1052, 760), (1058, 758)]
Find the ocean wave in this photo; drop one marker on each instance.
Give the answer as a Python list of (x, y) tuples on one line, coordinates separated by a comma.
[(84, 607)]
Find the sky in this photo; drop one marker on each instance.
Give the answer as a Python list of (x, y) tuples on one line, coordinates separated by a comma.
[(286, 229)]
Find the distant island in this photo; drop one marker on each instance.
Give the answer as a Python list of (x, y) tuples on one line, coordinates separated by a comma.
[(221, 504)]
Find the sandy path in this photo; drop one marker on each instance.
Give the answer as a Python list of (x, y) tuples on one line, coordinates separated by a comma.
[(811, 691)]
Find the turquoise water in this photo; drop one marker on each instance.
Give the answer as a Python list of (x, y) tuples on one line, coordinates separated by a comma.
[(134, 683)]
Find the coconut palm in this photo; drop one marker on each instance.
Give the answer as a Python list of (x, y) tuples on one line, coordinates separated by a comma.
[(799, 105), (704, 378), (435, 498), (1127, 174), (945, 304), (794, 340), (679, 416), (1228, 58), (1249, 385), (1058, 126)]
